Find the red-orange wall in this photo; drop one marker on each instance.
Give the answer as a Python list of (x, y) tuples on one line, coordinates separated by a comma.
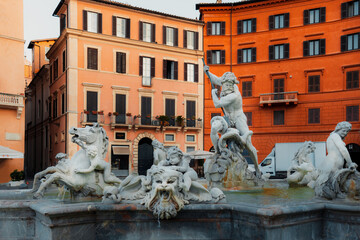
[(332, 67)]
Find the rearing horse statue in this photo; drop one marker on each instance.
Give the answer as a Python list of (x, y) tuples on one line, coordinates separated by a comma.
[(86, 172)]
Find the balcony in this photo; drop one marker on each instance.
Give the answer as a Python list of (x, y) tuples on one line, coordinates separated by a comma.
[(193, 125), (286, 98), (12, 101), (121, 121), (88, 118), (146, 122)]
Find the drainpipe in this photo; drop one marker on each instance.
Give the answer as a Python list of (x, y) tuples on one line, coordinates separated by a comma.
[(231, 35)]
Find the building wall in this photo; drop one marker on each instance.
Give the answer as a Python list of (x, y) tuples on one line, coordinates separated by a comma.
[(11, 82), (77, 79), (332, 67)]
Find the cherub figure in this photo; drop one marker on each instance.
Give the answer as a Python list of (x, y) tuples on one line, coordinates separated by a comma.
[(177, 161)]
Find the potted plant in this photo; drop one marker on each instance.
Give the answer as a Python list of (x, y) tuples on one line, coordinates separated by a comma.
[(94, 112), (180, 120), (163, 120), (116, 113), (128, 114), (86, 111), (109, 114), (101, 112)]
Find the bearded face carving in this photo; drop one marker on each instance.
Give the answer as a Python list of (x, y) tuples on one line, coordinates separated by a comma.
[(165, 199)]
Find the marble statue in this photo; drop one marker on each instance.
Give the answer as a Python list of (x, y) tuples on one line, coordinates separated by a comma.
[(86, 172), (159, 151), (168, 186), (235, 134), (334, 180), (304, 171)]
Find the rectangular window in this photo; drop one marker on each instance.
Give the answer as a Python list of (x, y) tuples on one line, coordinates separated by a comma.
[(314, 83), (62, 103), (191, 40), (120, 62), (279, 88), (64, 61), (62, 22), (215, 28), (280, 51), (352, 113), (352, 79), (170, 111), (170, 69), (191, 72), (279, 117), (190, 149), (246, 26), (120, 108), (92, 22), (317, 15), (56, 71), (169, 137), (246, 55), (314, 115), (147, 32), (247, 89), (249, 118), (350, 9), (120, 157), (145, 110), (91, 106), (216, 57), (54, 108), (146, 70), (170, 36), (92, 58), (314, 47), (350, 42), (190, 138), (279, 21), (121, 27), (120, 135), (190, 113)]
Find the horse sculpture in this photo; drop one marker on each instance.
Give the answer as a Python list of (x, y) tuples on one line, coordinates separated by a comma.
[(304, 171), (86, 172)]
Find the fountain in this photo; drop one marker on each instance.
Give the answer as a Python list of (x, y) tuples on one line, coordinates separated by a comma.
[(170, 202)]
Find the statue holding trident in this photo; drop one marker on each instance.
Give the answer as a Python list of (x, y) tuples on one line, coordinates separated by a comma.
[(234, 123)]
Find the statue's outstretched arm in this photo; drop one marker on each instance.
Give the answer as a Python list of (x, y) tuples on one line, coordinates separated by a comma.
[(213, 78)]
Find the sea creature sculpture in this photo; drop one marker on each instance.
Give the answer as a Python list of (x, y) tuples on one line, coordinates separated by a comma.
[(86, 172)]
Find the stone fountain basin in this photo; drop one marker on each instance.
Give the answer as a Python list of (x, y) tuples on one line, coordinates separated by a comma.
[(247, 215)]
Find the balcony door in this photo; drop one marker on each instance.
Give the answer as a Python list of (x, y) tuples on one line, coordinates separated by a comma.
[(92, 106), (145, 110), (190, 113), (279, 88), (120, 108), (170, 111)]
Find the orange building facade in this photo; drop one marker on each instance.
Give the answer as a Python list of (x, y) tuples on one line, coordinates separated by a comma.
[(12, 84), (297, 62), (136, 72)]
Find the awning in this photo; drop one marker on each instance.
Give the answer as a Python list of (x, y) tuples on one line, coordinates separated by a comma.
[(121, 150), (9, 153), (199, 154)]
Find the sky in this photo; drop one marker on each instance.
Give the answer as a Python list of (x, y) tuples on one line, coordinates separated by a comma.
[(40, 24)]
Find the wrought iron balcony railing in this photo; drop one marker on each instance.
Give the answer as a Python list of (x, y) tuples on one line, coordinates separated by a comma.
[(12, 101), (278, 98), (89, 117), (121, 120)]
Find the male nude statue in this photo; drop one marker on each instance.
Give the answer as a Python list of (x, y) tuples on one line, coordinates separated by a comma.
[(231, 102)]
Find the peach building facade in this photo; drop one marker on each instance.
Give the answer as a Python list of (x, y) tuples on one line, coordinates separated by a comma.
[(298, 65), (12, 86), (37, 106), (136, 72)]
